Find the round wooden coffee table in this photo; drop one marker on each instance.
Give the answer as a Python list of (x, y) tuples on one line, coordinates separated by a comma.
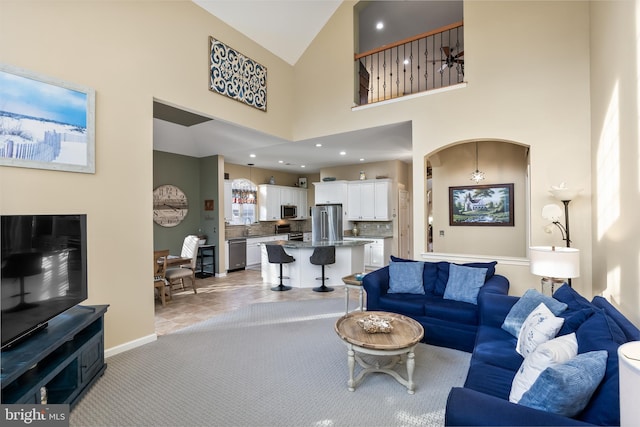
[(402, 340)]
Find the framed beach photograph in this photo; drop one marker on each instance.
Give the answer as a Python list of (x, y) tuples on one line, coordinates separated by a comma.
[(481, 205), (45, 123)]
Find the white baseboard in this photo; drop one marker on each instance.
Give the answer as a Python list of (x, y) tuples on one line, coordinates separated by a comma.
[(129, 345)]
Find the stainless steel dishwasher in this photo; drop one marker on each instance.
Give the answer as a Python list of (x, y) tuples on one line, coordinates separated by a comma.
[(237, 254)]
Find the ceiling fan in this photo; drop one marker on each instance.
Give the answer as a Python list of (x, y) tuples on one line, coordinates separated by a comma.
[(451, 59)]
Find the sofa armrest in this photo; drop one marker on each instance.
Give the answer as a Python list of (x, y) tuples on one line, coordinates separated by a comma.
[(493, 308), (466, 407), (497, 284), (376, 284)]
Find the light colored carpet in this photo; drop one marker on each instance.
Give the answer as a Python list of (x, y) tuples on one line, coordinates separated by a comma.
[(268, 364)]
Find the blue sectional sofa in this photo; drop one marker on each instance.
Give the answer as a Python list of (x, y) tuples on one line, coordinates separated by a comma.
[(484, 399), (447, 322)]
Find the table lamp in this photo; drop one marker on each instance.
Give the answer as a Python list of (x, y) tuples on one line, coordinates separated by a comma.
[(554, 264)]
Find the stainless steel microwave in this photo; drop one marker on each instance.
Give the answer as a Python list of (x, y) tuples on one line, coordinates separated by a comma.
[(288, 211)]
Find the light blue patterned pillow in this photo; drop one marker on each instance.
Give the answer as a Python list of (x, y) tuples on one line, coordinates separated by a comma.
[(464, 283), (525, 305), (406, 278), (567, 388)]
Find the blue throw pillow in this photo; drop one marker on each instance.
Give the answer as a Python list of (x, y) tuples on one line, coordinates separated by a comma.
[(567, 388), (442, 277), (525, 305), (464, 283), (405, 278), (430, 272), (490, 266)]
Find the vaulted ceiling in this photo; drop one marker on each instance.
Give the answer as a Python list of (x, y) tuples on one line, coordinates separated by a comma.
[(286, 28)]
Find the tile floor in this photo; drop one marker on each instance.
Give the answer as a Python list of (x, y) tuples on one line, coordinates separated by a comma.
[(218, 295)]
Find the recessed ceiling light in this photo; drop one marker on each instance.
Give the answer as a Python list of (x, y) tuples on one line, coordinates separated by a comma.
[(379, 25), (280, 161), (303, 166), (406, 61), (318, 145), (362, 160), (252, 155), (343, 153)]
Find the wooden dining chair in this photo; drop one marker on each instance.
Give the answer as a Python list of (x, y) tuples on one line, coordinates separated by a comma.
[(159, 270)]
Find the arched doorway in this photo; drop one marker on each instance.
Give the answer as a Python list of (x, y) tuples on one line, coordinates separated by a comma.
[(503, 163)]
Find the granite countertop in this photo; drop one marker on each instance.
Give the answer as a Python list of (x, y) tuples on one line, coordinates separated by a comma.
[(368, 237), (300, 245)]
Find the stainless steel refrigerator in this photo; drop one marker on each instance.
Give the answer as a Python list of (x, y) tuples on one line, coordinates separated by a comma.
[(326, 222)]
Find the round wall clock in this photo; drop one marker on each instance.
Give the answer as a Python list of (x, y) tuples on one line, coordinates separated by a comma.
[(170, 205)]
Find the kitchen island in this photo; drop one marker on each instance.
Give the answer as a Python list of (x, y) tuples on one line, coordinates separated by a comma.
[(302, 274)]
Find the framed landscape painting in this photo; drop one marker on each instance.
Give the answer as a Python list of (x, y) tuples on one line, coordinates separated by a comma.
[(45, 123), (481, 205)]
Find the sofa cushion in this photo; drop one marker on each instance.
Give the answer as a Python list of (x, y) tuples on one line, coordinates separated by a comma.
[(600, 332), (551, 353), (497, 347), (464, 283), (630, 331), (573, 319), (406, 278), (565, 389), (407, 304), (525, 305), (451, 310), (490, 379), (539, 327), (573, 299)]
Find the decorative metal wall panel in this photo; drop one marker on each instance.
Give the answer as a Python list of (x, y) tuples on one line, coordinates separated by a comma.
[(234, 75)]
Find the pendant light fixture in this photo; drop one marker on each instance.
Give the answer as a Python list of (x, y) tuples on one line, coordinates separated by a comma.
[(477, 176)]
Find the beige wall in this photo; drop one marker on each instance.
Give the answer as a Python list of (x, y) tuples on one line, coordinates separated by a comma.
[(261, 176), (130, 52), (527, 68), (515, 92), (503, 163), (616, 153)]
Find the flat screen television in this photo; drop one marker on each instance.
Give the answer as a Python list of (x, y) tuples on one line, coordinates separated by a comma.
[(43, 270)]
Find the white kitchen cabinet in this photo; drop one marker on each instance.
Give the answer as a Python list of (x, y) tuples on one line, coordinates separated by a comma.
[(269, 202), (228, 200), (369, 200), (301, 203), (271, 197), (376, 253), (331, 192)]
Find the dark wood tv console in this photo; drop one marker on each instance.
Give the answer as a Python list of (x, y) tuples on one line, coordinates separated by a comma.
[(66, 358)]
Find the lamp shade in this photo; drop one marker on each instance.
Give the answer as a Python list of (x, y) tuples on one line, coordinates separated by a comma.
[(551, 212), (554, 262)]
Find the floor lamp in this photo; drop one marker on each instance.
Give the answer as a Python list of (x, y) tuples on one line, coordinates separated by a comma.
[(554, 264)]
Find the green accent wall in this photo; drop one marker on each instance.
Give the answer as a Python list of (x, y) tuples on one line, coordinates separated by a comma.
[(184, 172)]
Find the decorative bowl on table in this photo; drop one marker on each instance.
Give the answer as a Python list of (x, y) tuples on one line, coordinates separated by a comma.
[(374, 324), (359, 276)]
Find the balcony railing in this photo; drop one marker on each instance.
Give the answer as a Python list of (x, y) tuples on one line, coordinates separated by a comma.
[(427, 61)]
